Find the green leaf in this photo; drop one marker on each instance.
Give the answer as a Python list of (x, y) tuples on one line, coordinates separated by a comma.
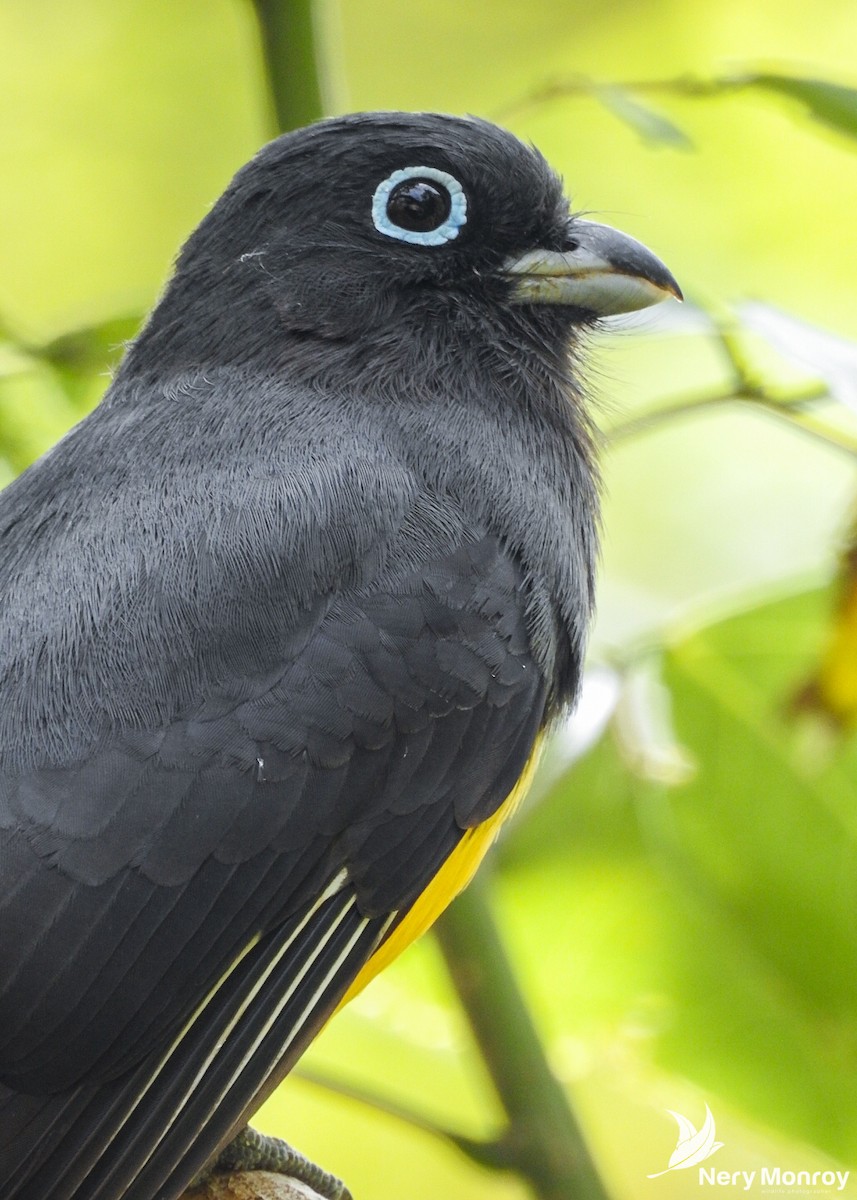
[(833, 104), (653, 127), (715, 919)]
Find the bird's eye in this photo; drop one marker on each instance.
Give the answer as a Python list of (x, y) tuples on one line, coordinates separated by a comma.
[(420, 205)]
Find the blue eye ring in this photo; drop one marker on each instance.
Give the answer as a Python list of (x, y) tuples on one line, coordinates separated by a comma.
[(452, 222)]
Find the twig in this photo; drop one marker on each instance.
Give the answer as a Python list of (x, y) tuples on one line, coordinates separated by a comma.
[(581, 85), (684, 406), (786, 407), (481, 1151), (687, 85), (291, 65), (543, 1141)]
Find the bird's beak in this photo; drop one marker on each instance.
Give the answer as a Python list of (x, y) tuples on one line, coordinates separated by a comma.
[(605, 272)]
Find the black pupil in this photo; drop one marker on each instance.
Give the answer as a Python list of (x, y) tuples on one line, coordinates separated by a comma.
[(418, 205)]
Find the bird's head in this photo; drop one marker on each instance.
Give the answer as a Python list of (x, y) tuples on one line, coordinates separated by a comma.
[(367, 225)]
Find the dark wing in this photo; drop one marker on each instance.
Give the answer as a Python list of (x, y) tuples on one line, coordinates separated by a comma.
[(182, 911)]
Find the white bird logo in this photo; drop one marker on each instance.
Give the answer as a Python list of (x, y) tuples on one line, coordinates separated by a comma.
[(693, 1146)]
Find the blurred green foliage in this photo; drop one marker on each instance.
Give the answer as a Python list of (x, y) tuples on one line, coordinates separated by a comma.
[(680, 901)]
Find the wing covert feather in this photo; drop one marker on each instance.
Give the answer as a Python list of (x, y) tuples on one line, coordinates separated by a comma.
[(404, 718)]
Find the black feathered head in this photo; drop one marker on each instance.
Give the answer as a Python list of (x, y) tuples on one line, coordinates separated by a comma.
[(341, 230)]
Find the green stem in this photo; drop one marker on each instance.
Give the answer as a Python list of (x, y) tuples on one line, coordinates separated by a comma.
[(786, 407), (814, 427), (390, 1108), (667, 413), (690, 86), (291, 60), (487, 1152), (543, 1141)]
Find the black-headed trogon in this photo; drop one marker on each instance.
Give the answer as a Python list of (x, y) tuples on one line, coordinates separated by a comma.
[(283, 623)]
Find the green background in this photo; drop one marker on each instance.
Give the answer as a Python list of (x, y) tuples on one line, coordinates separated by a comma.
[(680, 901)]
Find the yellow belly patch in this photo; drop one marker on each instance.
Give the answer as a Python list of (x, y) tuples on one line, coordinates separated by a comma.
[(453, 876)]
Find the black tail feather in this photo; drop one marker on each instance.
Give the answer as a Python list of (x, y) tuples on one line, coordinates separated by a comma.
[(145, 1136)]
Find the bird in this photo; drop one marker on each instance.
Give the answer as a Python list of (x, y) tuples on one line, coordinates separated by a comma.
[(285, 622)]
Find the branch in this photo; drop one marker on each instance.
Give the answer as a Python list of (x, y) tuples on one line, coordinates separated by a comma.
[(747, 386), (291, 61), (251, 1185), (582, 85), (391, 1108), (543, 1141), (784, 405)]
